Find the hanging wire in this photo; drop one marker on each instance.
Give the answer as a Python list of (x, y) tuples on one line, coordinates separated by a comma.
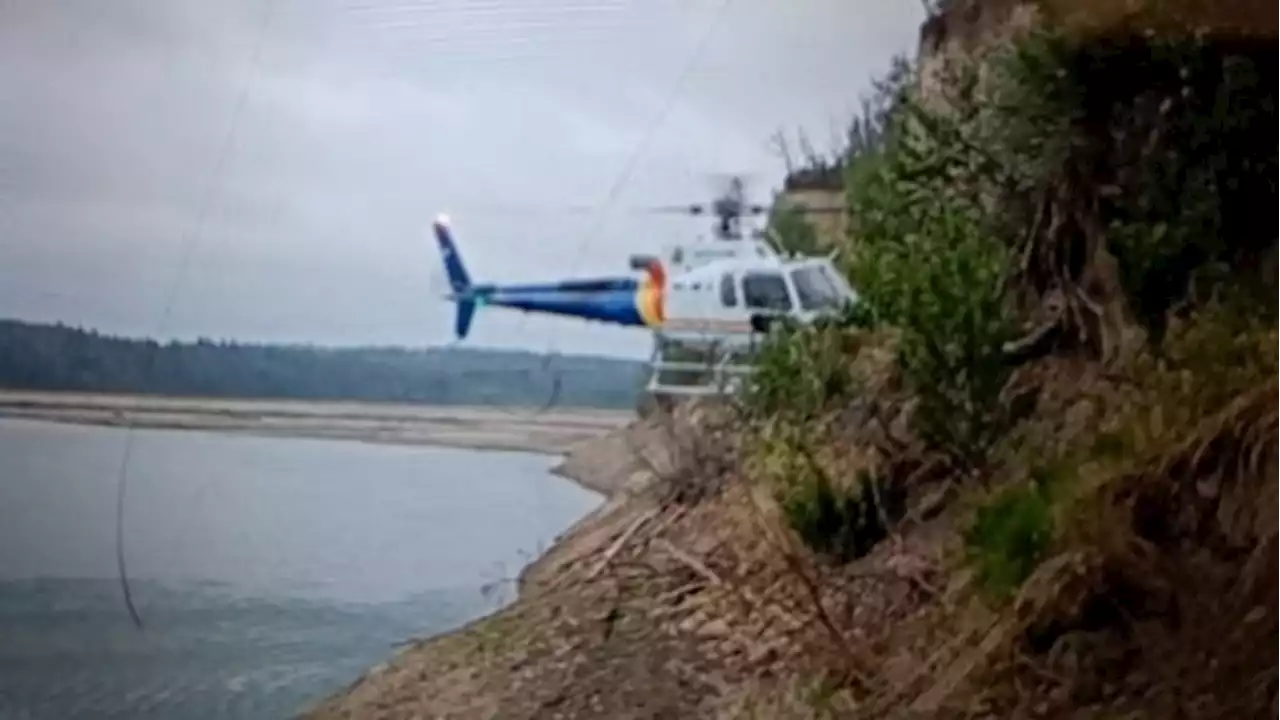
[(485, 33), (189, 243), (615, 190)]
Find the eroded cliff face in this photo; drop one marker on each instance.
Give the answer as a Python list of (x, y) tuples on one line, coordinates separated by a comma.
[(962, 30), (1214, 20), (832, 227)]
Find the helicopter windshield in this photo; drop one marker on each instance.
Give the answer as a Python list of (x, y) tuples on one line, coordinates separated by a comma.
[(815, 289)]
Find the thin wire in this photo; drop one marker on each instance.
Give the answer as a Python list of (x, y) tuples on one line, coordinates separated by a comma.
[(625, 176), (189, 243)]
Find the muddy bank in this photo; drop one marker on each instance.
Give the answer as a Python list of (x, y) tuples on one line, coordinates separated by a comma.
[(623, 458), (553, 432)]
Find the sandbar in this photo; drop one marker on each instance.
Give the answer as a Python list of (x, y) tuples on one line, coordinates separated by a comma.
[(553, 431)]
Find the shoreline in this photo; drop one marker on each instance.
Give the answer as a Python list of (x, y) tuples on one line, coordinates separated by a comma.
[(557, 431)]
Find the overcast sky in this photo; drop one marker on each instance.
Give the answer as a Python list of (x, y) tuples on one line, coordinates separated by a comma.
[(295, 151)]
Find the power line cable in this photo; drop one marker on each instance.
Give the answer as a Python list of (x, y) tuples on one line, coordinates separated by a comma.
[(625, 176), (189, 244)]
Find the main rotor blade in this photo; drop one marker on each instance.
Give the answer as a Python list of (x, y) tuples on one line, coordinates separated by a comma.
[(693, 209), (820, 210), (516, 210)]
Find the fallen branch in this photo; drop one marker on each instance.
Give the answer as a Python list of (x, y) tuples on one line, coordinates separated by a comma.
[(795, 565), (1035, 344), (688, 590), (684, 608), (693, 563), (669, 520), (621, 541)]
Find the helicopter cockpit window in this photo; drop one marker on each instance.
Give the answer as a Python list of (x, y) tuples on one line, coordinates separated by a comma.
[(728, 293), (765, 291), (815, 289)]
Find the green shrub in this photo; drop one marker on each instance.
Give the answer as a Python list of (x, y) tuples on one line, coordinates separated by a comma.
[(1151, 151), (842, 524), (926, 260), (792, 231), (803, 375), (1009, 537), (1158, 148), (800, 372)]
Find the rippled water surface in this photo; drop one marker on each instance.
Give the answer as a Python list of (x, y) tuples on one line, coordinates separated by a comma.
[(268, 572)]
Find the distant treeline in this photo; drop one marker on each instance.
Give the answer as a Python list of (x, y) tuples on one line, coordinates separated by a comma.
[(57, 357)]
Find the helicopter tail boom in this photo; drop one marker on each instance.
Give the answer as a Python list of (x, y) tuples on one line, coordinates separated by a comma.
[(626, 301)]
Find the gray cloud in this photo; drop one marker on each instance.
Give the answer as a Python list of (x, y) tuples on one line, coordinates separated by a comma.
[(296, 151)]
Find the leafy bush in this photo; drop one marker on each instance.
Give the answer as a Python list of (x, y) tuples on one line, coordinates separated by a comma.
[(1187, 210), (800, 372), (792, 230), (926, 260), (1208, 360), (923, 262), (837, 523), (843, 522), (805, 377), (1153, 146), (1009, 537)]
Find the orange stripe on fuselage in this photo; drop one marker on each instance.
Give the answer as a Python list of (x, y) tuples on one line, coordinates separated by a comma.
[(707, 325), (651, 297)]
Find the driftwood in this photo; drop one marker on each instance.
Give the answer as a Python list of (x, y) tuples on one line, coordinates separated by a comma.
[(693, 563), (622, 541)]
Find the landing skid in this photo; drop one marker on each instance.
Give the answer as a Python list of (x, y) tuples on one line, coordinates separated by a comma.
[(699, 365)]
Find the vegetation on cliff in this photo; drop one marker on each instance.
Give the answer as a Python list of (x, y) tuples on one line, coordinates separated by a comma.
[(1066, 351)]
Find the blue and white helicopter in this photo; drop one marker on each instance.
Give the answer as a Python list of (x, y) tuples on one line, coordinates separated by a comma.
[(716, 295)]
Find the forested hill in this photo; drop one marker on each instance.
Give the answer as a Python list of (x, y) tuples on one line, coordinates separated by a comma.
[(57, 357)]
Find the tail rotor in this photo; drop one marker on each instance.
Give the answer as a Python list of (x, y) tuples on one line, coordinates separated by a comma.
[(460, 286)]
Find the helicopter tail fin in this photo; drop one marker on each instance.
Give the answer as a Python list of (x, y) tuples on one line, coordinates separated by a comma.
[(462, 319), (459, 280)]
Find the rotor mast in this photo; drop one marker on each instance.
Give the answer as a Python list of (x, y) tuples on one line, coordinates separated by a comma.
[(730, 208)]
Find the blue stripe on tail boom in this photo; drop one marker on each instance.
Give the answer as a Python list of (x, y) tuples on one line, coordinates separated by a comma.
[(617, 306)]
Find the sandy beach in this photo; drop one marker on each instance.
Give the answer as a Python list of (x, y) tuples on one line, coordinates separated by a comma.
[(553, 431)]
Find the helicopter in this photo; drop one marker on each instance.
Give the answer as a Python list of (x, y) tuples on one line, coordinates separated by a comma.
[(711, 298)]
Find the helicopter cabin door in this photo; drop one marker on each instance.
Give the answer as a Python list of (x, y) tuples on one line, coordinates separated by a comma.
[(707, 302), (767, 294)]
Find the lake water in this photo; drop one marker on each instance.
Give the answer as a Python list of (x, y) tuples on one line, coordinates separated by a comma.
[(268, 572)]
